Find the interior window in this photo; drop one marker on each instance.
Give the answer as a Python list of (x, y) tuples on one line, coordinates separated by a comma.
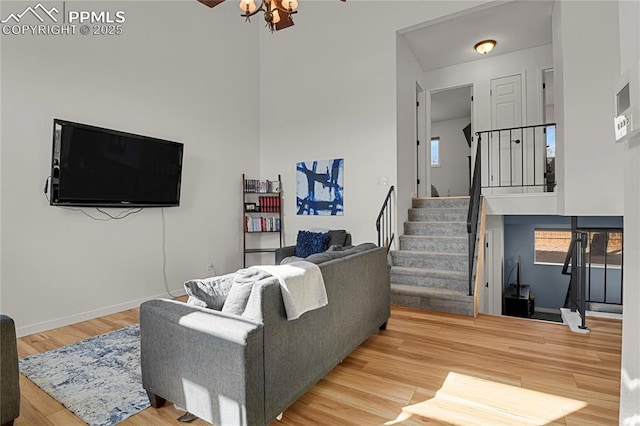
[(551, 246), (435, 152)]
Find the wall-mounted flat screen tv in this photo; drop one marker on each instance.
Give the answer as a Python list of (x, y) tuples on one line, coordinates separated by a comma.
[(96, 167)]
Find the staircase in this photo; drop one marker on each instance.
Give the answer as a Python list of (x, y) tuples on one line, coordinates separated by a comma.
[(431, 269)]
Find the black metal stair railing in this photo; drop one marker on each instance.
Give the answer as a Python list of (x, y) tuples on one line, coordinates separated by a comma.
[(517, 157), (473, 213), (385, 223), (576, 299)]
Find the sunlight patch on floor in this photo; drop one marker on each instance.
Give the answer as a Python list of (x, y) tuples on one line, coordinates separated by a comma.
[(467, 400)]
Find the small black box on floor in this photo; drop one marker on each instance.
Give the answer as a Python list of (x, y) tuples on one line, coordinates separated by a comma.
[(517, 302)]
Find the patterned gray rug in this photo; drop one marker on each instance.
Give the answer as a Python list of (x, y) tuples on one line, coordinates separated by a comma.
[(99, 379)]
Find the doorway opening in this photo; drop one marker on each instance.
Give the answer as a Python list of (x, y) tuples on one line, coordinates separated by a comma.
[(451, 141)]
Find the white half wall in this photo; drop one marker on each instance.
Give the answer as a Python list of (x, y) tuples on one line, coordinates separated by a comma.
[(452, 176), (172, 74), (409, 73)]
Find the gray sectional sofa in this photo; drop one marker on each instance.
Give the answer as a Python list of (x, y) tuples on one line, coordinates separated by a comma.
[(246, 369)]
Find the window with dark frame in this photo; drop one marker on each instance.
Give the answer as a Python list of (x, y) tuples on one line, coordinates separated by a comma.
[(551, 246)]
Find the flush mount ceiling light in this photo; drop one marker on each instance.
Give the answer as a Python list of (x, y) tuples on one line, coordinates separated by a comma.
[(485, 46), (277, 13)]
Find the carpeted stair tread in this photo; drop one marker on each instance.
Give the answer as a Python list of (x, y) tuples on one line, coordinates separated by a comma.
[(442, 293), (435, 243), (436, 228), (430, 260), (440, 202), (431, 273), (427, 253)]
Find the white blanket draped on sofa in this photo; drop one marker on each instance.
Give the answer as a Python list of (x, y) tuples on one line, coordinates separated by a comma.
[(301, 284)]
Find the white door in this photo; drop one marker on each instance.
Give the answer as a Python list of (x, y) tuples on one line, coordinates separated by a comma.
[(506, 159)]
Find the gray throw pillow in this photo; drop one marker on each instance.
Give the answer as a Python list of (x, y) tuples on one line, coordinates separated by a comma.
[(238, 297), (209, 292)]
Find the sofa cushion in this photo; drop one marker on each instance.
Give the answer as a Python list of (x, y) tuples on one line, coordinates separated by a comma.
[(360, 248), (309, 243), (337, 237), (209, 292)]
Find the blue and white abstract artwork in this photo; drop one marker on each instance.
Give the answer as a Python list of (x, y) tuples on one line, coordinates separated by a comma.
[(320, 187)]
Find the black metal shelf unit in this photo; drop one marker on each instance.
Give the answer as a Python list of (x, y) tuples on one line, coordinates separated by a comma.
[(262, 214)]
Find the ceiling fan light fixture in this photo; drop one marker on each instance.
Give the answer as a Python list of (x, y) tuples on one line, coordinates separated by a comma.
[(290, 4), (248, 6), (485, 46)]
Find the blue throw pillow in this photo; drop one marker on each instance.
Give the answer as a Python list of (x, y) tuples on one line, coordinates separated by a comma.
[(309, 243)]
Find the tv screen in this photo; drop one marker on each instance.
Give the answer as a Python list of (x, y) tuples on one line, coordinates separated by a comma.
[(96, 167)]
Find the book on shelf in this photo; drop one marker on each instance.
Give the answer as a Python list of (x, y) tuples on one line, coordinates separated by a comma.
[(261, 186), (269, 204), (261, 224)]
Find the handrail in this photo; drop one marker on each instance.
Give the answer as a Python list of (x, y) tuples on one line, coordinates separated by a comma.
[(480, 260), (576, 258), (516, 128), (386, 234), (472, 214)]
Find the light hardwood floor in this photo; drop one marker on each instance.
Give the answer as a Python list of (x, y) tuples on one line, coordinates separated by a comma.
[(426, 368)]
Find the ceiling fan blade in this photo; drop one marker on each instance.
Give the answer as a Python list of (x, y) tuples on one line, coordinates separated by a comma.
[(212, 3), (285, 21)]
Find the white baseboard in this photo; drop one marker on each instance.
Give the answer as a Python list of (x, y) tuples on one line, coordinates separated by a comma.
[(548, 310), (84, 316)]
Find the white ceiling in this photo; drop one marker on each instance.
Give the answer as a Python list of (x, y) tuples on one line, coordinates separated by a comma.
[(451, 103), (515, 25)]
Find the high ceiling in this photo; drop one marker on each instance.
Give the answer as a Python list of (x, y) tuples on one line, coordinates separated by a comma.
[(515, 25)]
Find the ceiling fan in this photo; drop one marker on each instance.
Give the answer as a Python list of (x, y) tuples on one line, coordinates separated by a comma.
[(277, 13)]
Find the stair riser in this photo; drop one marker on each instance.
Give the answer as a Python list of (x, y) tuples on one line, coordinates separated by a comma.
[(441, 203), (455, 229), (433, 304), (435, 215), (429, 282), (439, 245), (440, 261)]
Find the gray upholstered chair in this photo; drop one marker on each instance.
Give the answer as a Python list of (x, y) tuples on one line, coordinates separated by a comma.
[(9, 379)]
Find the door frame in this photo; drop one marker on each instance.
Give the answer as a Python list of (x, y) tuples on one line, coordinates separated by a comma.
[(421, 136)]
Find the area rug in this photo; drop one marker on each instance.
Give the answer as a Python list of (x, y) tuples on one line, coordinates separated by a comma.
[(99, 379)]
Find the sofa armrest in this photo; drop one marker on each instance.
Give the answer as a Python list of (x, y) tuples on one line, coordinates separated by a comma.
[(283, 252), (207, 362), (10, 388)]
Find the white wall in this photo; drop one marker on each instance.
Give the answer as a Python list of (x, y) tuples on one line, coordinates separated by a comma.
[(172, 74), (452, 177), (409, 73), (590, 177), (528, 62), (339, 100), (629, 15)]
